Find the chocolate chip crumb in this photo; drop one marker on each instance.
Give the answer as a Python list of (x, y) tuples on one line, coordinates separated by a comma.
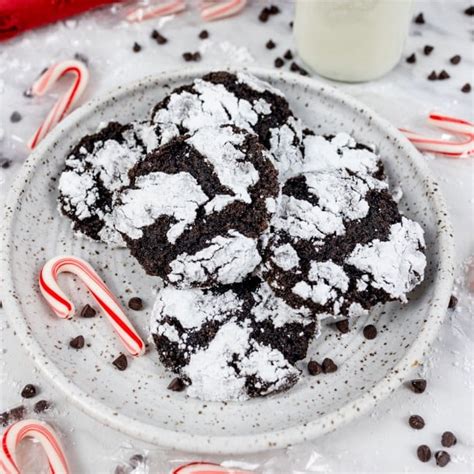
[(270, 44), (343, 326), (28, 93), (466, 88), (88, 311), (424, 453), (177, 385), (416, 422), (158, 37), (288, 55), (291, 24), (443, 75), (448, 439), (274, 10), (121, 469), (296, 68), (18, 413), (329, 366), (121, 362), (314, 368), (5, 164), (279, 62), (77, 342), (433, 76), (428, 49), (29, 391), (15, 117), (4, 418), (442, 458), (136, 47), (82, 57), (264, 15), (204, 34), (411, 59), (135, 303), (136, 460), (420, 19), (469, 11), (418, 385), (41, 406), (370, 332), (456, 59), (453, 302)]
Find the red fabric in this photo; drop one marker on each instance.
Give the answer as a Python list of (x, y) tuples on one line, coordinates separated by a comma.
[(17, 16)]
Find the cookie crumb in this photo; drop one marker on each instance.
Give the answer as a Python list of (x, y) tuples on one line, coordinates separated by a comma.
[(453, 302), (135, 303), (177, 385), (41, 406), (29, 391)]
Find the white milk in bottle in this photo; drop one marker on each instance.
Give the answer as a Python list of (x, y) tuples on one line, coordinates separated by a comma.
[(351, 40)]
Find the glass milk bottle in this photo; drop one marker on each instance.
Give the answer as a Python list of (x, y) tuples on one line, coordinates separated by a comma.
[(351, 40)]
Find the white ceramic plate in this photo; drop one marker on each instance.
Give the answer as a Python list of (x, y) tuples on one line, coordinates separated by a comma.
[(136, 401)]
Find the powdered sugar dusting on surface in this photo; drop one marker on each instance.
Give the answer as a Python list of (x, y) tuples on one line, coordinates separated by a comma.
[(396, 265), (79, 191), (231, 258), (159, 194), (285, 256)]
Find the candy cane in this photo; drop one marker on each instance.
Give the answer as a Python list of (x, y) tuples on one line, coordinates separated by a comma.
[(199, 467), (63, 307), (441, 146), (41, 432), (64, 103), (212, 10), (153, 11)]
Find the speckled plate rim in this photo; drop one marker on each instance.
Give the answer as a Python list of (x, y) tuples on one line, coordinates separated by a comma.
[(251, 443)]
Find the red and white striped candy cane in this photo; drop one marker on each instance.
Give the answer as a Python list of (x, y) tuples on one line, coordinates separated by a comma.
[(153, 11), (200, 467), (64, 104), (215, 10), (41, 432), (463, 128), (64, 308)]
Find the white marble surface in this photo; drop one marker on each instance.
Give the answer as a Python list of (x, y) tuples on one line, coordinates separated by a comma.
[(381, 442)]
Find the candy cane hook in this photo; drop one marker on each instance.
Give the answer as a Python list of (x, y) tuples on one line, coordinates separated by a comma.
[(212, 10), (64, 308), (153, 11), (41, 432), (200, 467), (63, 105)]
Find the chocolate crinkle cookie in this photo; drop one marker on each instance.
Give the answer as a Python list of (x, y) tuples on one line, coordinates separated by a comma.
[(241, 100), (232, 342), (338, 244), (97, 167), (194, 209)]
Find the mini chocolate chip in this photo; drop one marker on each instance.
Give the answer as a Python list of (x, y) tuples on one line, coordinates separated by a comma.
[(370, 332), (121, 362), (442, 458), (204, 34), (416, 422), (303, 72), (411, 59), (453, 302), (15, 117), (158, 37), (29, 391), (77, 342), (290, 24), (197, 56), (41, 406), (420, 19), (448, 439), (5, 163), (264, 15), (433, 76), (288, 55), (343, 326), (135, 303), (428, 49), (4, 418), (88, 311), (418, 385), (188, 56), (270, 44), (329, 366), (136, 47), (443, 75), (314, 368), (279, 62), (455, 59), (81, 57), (274, 10), (424, 453), (177, 385), (18, 413), (469, 11), (136, 460), (466, 88)]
